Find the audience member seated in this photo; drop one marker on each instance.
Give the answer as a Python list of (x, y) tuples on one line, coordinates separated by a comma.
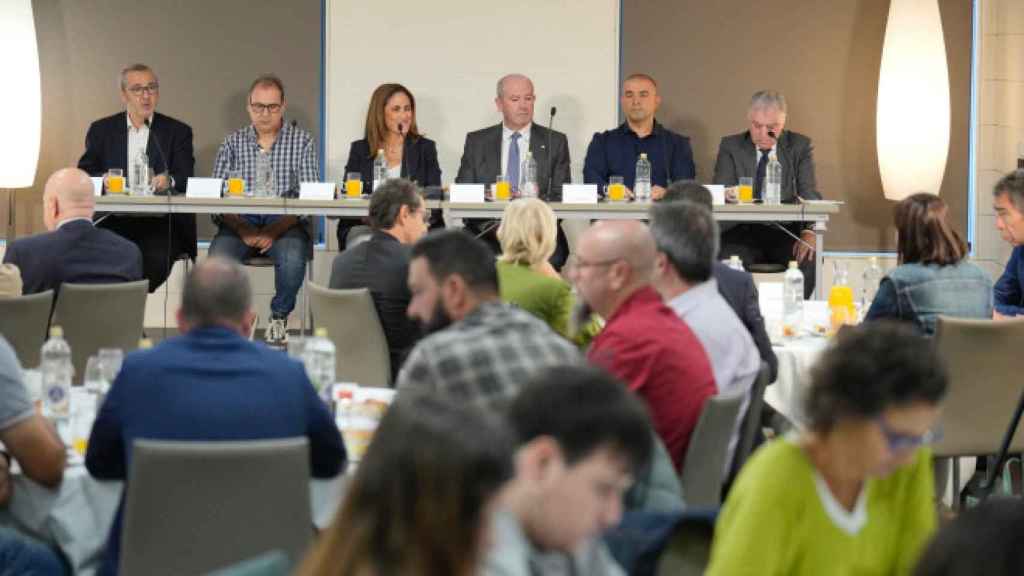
[(687, 239), (643, 343), (982, 540), (391, 127), (73, 250), (10, 281), (476, 349), (853, 493), (31, 441), (424, 506), (1009, 208), (398, 218), (736, 286), (582, 437), (527, 234), (934, 277), (210, 383)]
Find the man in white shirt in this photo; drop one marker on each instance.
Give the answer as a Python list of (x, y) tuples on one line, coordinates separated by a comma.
[(686, 236)]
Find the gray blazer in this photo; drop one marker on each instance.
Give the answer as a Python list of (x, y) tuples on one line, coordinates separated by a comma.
[(736, 159), (481, 159)]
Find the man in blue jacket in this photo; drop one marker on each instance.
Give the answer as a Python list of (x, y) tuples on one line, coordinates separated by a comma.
[(1009, 208), (210, 383)]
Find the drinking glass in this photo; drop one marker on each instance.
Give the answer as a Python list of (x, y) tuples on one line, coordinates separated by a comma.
[(354, 185), (502, 188), (110, 362), (616, 189), (236, 183), (115, 181), (94, 379), (745, 191)]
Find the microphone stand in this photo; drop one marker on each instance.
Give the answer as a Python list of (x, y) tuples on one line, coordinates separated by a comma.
[(551, 157)]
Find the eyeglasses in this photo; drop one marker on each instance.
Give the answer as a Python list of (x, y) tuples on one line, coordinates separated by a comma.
[(900, 442), (261, 109), (147, 89)]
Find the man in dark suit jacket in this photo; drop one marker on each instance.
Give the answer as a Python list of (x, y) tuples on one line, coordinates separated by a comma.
[(735, 286), (746, 155), (168, 146), (488, 152), (210, 384), (398, 217), (73, 250)]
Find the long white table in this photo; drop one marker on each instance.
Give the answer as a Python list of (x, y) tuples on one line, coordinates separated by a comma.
[(817, 213)]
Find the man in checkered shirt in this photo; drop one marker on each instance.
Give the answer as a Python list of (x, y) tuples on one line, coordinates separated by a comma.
[(285, 239), (479, 350)]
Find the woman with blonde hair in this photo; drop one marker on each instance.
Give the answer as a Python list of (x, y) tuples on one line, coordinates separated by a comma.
[(421, 501), (528, 234)]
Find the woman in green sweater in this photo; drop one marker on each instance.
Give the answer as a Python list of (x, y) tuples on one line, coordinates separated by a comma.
[(852, 494), (527, 234)]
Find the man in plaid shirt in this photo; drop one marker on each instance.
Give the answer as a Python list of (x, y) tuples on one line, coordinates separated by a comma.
[(285, 239), (480, 351)]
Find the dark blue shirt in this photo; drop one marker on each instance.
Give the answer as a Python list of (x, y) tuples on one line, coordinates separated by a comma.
[(209, 384), (1009, 291), (615, 152)]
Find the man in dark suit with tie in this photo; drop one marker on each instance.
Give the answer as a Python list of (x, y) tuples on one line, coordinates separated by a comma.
[(746, 155), (73, 250), (116, 141), (501, 149)]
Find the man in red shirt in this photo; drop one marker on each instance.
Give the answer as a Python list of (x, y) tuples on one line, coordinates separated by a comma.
[(644, 343)]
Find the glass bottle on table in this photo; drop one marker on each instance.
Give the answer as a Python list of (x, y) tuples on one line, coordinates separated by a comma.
[(642, 183), (528, 177), (840, 298), (57, 371), (792, 300), (141, 176), (264, 176), (380, 169), (872, 278), (773, 181)]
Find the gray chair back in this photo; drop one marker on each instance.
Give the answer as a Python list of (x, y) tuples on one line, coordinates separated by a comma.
[(353, 325), (688, 550), (23, 322), (984, 385), (703, 468), (98, 316), (751, 420), (194, 507)]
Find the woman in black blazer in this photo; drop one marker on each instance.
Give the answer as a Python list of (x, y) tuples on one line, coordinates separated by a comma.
[(391, 128)]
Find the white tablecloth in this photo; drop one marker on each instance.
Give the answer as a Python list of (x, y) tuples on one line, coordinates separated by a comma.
[(76, 517), (795, 360)]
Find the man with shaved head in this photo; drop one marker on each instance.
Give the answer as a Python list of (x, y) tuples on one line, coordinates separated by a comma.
[(643, 342), (73, 250)]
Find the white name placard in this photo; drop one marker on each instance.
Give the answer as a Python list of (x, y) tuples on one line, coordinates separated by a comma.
[(97, 185), (466, 192), (316, 191), (579, 193), (203, 187), (717, 193)]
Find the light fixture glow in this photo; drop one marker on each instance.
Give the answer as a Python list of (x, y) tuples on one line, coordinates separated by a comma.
[(913, 100), (20, 98)]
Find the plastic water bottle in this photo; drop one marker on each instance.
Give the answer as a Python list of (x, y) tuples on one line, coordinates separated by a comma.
[(319, 360), (264, 176), (380, 169), (642, 184), (773, 181), (57, 370), (872, 277), (140, 175), (735, 263), (792, 300), (528, 177)]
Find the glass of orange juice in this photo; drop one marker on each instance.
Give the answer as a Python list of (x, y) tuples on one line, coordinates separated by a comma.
[(502, 188), (236, 183), (354, 185), (115, 181), (616, 189), (745, 191)]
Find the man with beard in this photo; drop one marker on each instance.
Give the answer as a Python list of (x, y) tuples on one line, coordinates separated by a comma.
[(477, 350)]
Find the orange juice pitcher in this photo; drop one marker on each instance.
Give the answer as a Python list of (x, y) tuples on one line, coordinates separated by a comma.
[(840, 298)]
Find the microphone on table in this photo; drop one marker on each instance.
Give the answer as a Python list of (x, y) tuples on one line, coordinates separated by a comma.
[(551, 158), (163, 157)]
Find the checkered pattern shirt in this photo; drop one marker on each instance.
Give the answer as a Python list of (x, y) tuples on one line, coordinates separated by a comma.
[(293, 157), (486, 358)]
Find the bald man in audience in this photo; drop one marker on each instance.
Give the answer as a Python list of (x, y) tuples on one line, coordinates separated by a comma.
[(73, 250), (643, 342)]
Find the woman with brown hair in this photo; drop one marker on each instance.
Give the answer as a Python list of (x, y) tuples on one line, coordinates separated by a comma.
[(420, 503), (391, 129), (933, 277)]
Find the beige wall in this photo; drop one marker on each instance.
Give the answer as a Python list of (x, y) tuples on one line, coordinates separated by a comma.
[(205, 54), (709, 57), (1001, 118)]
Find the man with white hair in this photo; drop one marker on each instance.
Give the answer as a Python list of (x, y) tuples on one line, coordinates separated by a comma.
[(746, 155), (73, 250)]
